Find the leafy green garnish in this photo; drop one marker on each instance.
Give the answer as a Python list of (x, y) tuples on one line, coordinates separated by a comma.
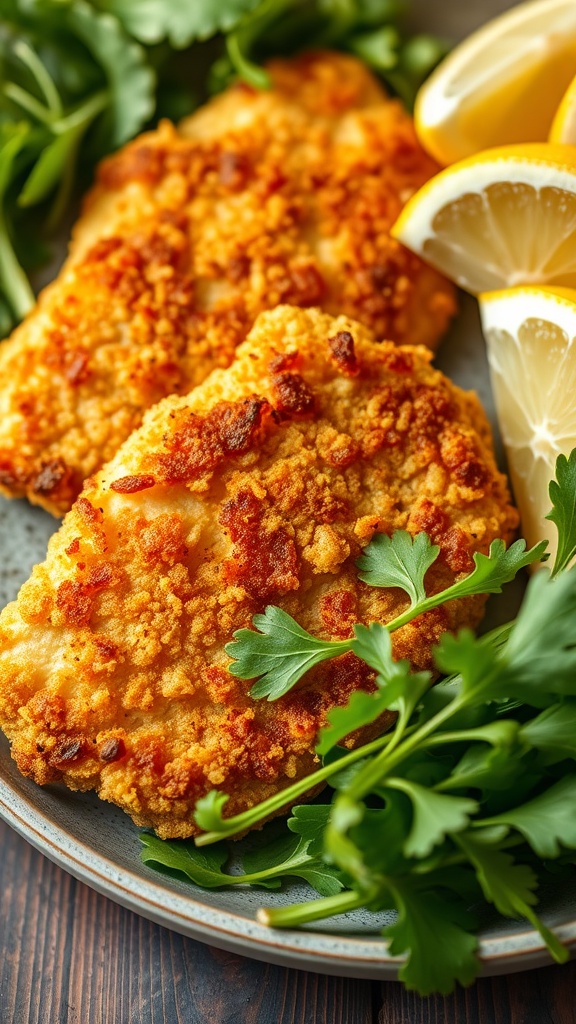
[(563, 512), (69, 73), (399, 561), (79, 78), (546, 822), (474, 783), (279, 652), (435, 934), (434, 816), (152, 21), (297, 854)]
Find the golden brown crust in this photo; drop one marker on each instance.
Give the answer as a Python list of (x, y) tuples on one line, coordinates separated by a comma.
[(260, 198), (112, 669)]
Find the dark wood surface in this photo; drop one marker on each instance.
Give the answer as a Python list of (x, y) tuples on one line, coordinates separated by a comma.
[(70, 956)]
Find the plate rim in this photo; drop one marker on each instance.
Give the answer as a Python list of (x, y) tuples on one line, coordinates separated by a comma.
[(309, 949)]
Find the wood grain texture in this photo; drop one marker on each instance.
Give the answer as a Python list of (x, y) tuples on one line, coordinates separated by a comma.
[(70, 956)]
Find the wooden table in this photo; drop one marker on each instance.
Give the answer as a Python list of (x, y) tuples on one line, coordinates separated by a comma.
[(70, 956)]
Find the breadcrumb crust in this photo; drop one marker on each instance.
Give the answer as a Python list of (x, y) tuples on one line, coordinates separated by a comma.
[(261, 486), (260, 198)]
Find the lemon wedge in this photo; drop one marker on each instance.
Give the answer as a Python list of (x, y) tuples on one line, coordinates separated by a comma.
[(531, 340), (502, 84), (564, 123), (501, 218)]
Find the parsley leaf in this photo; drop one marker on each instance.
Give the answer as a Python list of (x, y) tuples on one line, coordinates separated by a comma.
[(181, 23), (434, 933), (495, 569), (293, 856), (362, 709), (399, 689), (553, 732), (509, 886), (429, 851), (398, 561), (435, 815), (475, 663), (131, 81), (540, 656), (563, 514), (280, 653), (546, 821)]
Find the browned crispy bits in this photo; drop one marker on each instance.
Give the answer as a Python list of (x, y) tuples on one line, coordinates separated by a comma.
[(112, 750), (132, 484), (292, 396), (342, 348)]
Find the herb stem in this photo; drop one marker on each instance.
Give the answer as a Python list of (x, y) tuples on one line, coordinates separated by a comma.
[(15, 284), (313, 910), (83, 114), (30, 58), (274, 804), (23, 99)]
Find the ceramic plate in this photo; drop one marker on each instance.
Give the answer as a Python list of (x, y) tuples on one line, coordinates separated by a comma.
[(98, 843)]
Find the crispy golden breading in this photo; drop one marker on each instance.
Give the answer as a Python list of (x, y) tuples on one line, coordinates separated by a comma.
[(261, 486), (260, 198)]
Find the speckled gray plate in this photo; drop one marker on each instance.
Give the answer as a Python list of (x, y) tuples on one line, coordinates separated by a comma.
[(98, 843)]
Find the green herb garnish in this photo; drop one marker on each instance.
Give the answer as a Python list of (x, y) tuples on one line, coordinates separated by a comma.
[(79, 78), (278, 652), (470, 797)]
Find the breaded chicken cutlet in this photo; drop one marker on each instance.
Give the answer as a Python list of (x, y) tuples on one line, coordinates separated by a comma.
[(260, 487), (258, 199)]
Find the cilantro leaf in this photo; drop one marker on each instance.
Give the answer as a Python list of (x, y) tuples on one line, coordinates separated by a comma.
[(181, 23), (434, 816), (398, 561), (434, 933), (546, 821), (279, 654), (563, 514)]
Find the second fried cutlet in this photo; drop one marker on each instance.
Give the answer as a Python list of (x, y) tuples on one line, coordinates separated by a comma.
[(262, 486), (260, 198)]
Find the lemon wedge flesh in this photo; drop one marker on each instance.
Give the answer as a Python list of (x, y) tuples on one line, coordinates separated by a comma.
[(564, 123), (531, 340), (499, 219), (502, 84)]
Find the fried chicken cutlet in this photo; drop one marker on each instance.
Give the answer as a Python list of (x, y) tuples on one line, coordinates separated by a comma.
[(260, 487), (258, 199)]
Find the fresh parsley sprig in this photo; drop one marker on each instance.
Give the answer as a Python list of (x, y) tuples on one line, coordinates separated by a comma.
[(278, 652), (469, 797)]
